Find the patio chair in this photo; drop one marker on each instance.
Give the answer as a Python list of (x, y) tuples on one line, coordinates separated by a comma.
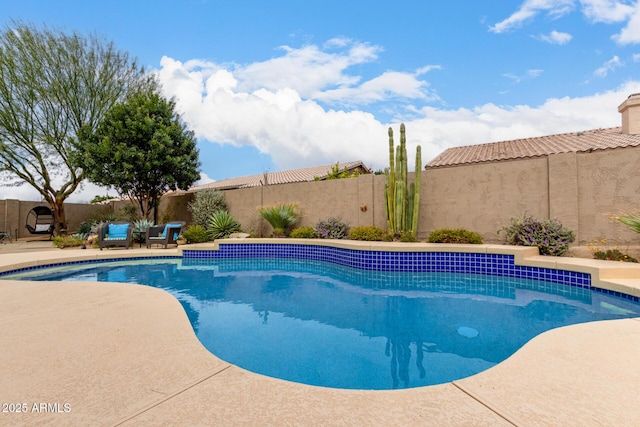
[(117, 233), (164, 234)]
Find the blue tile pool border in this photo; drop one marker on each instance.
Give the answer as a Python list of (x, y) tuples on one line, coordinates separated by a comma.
[(418, 261)]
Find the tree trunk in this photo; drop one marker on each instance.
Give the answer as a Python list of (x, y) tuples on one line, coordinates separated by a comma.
[(154, 202), (60, 217)]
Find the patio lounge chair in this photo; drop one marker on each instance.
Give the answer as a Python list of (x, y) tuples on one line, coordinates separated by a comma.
[(164, 234), (116, 233)]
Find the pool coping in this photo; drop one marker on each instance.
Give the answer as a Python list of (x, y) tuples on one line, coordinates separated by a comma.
[(578, 375), (609, 275)]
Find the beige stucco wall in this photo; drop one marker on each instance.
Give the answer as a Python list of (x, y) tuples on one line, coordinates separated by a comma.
[(609, 183), (351, 199), (14, 213), (579, 189), (483, 197)]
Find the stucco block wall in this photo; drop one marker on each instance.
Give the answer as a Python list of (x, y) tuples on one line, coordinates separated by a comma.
[(352, 199), (580, 189), (563, 189), (609, 183), (483, 197), (14, 213)]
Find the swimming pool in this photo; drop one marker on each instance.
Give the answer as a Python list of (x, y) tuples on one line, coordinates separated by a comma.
[(325, 323)]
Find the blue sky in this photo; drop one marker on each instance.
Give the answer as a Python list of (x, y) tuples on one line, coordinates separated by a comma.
[(277, 85)]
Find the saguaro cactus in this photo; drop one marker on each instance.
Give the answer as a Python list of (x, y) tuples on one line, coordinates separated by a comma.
[(402, 200)]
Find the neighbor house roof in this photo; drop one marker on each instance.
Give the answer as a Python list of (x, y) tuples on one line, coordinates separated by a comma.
[(584, 141), (283, 177)]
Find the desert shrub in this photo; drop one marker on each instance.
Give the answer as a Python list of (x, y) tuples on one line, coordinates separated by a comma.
[(85, 227), (332, 228), (204, 204), (281, 217), (369, 233), (549, 235), (196, 234), (303, 233), (454, 235), (222, 224), (613, 255), (62, 242), (407, 237), (602, 249)]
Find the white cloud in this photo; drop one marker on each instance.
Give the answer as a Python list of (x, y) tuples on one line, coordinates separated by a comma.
[(635, 57), (530, 74), (604, 11), (307, 70), (295, 128), (440, 129), (608, 66), (555, 37), (631, 33), (204, 179), (388, 85), (282, 106), (529, 9)]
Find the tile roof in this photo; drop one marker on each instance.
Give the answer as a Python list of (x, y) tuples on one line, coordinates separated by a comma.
[(281, 177), (596, 139)]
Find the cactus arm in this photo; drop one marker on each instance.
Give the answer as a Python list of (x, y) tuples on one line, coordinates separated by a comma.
[(391, 179), (416, 199)]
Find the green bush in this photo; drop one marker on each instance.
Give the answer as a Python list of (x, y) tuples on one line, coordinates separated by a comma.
[(281, 217), (332, 228), (369, 233), (549, 235), (62, 242), (613, 255), (205, 203), (303, 233), (85, 227), (407, 237), (195, 234), (222, 224), (454, 235)]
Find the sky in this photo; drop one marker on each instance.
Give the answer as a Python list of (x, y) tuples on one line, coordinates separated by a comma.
[(269, 86)]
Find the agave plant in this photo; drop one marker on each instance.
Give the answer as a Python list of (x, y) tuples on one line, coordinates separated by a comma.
[(281, 217), (140, 229), (631, 220), (97, 226), (222, 224)]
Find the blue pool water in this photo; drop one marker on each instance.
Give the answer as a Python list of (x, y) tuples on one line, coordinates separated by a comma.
[(324, 324)]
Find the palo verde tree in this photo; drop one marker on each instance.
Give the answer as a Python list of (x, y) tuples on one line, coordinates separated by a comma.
[(51, 85), (142, 149)]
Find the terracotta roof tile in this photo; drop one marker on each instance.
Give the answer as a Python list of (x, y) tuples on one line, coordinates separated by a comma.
[(281, 177), (597, 139)]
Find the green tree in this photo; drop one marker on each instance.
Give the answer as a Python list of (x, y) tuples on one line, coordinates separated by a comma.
[(142, 149), (51, 85)]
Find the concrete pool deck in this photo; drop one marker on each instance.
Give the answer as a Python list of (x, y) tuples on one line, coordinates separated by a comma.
[(90, 354)]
